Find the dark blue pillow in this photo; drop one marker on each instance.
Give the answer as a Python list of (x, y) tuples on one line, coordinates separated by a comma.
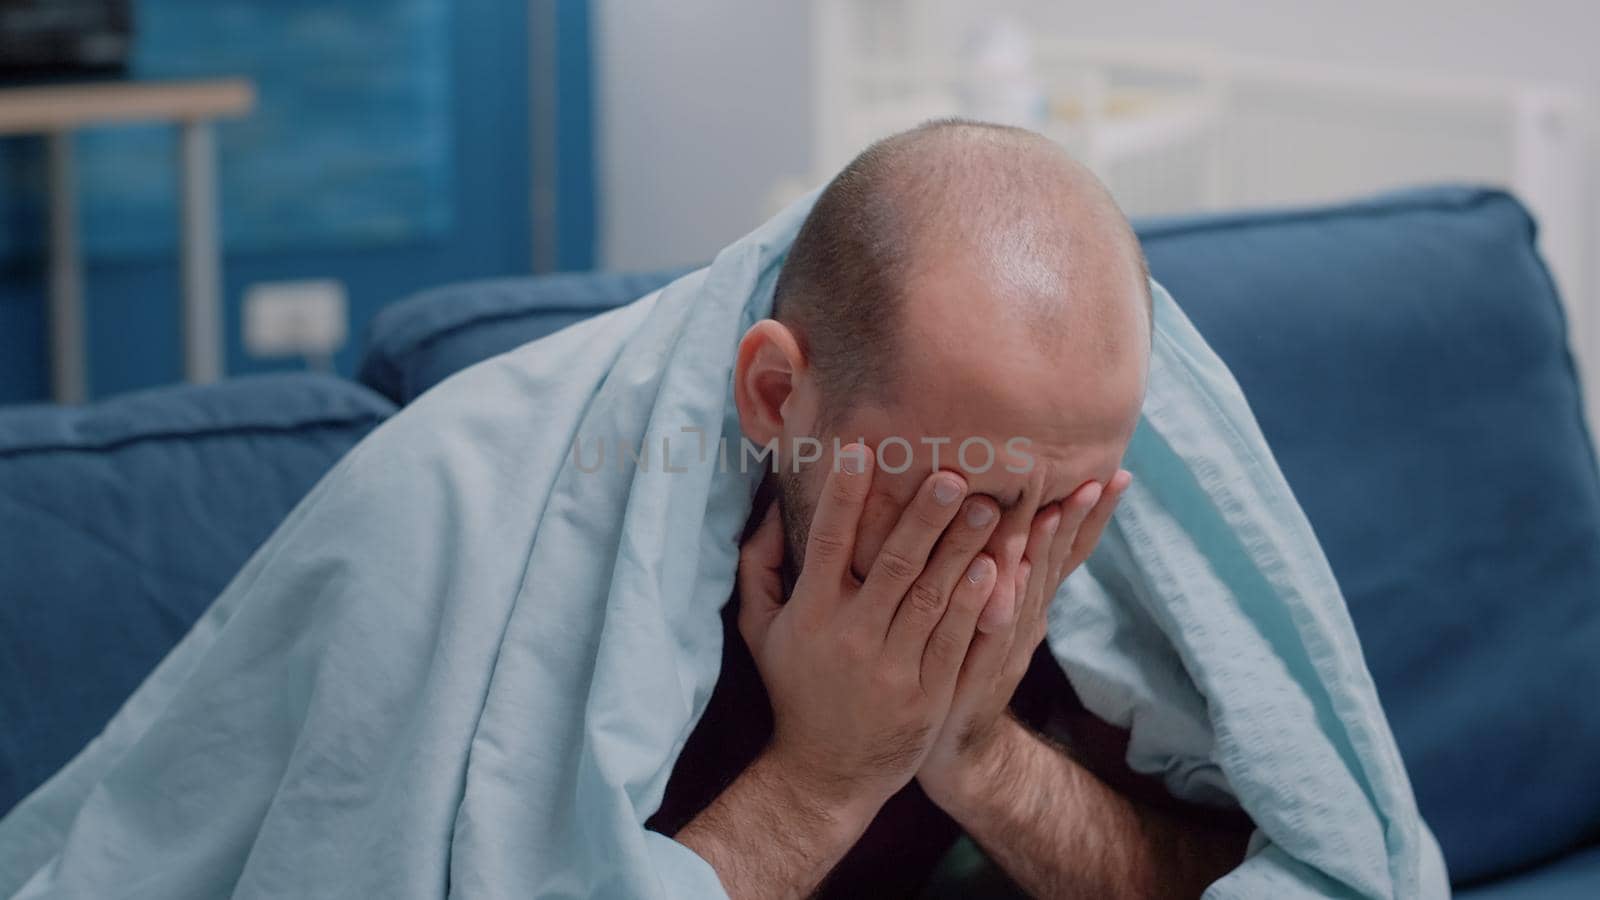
[(415, 344), (1407, 360), (120, 522)]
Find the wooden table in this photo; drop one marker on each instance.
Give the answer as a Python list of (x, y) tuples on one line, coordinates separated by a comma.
[(57, 111)]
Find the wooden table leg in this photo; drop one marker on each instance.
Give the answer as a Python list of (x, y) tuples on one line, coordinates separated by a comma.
[(202, 269), (69, 376)]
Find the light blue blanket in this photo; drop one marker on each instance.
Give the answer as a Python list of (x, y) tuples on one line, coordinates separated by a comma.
[(465, 666)]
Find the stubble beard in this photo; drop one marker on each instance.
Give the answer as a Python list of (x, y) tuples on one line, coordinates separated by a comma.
[(794, 511)]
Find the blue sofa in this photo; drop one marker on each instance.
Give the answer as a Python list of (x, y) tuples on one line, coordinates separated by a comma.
[(1406, 357)]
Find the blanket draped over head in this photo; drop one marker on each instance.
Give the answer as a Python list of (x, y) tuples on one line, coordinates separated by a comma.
[(468, 660)]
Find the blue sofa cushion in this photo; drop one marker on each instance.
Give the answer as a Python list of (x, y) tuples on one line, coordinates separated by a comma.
[(413, 345), (1407, 360), (1573, 877), (1406, 357), (122, 521)]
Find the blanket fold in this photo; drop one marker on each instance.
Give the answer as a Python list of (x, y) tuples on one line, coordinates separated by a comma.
[(467, 661)]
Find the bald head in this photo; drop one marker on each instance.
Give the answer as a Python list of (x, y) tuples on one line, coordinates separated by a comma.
[(1005, 211), (961, 297)]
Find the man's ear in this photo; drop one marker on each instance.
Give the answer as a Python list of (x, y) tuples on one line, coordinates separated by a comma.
[(765, 377)]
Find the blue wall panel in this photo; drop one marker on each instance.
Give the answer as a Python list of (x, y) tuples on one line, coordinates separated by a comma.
[(349, 142), (133, 302)]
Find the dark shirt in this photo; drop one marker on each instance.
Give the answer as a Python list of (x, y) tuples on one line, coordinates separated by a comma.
[(897, 853)]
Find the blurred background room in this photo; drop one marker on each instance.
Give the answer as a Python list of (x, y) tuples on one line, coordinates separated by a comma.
[(362, 150), (368, 149), (1181, 107)]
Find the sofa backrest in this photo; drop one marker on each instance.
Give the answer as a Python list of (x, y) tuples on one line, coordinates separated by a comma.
[(1407, 360), (1406, 357), (415, 344), (120, 523)]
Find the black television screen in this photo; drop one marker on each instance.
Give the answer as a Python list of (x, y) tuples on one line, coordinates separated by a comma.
[(40, 38)]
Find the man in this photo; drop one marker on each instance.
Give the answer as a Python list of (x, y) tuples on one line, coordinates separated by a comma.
[(955, 289), (471, 664)]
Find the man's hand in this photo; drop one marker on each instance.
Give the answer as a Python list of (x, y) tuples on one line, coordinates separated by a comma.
[(860, 673), (1061, 538), (1055, 828)]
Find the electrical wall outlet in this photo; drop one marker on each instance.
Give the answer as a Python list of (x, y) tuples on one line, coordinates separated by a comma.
[(295, 318)]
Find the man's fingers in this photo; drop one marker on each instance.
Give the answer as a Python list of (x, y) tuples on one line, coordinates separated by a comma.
[(1095, 523), (832, 538), (905, 551), (924, 603), (1075, 512), (1034, 570), (946, 648), (760, 581), (1005, 607)]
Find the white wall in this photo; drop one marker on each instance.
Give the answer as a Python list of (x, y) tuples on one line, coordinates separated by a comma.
[(704, 104), (1545, 39)]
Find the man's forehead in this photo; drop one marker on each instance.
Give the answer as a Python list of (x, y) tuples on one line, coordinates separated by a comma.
[(1018, 399)]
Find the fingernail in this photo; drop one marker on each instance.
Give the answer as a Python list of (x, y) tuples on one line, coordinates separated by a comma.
[(1091, 494), (946, 491), (979, 514), (852, 461), (978, 571), (1055, 522)]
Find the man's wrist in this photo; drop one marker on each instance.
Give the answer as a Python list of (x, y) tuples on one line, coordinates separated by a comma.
[(771, 834), (836, 810), (985, 773)]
